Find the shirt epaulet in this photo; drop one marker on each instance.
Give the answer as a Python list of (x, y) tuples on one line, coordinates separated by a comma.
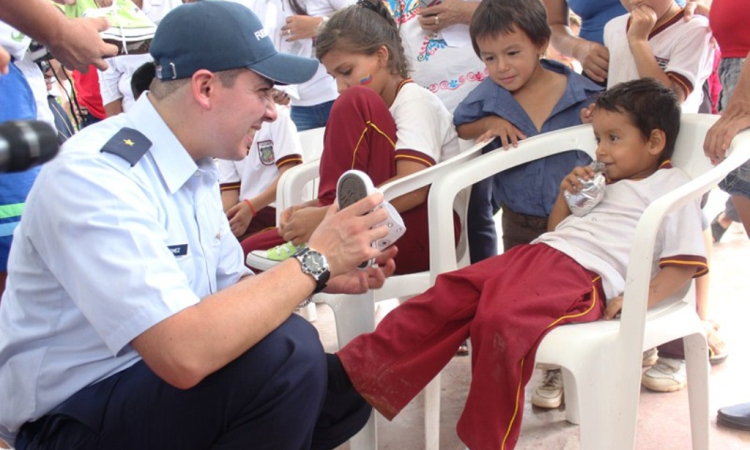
[(128, 144)]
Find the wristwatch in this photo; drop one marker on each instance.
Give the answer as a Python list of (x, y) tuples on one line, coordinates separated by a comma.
[(313, 263)]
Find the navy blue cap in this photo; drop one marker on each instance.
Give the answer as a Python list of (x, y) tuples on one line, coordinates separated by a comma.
[(221, 35)]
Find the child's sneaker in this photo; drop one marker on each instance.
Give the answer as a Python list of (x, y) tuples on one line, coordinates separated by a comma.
[(549, 393), (266, 259), (130, 29), (667, 375), (650, 357), (353, 186)]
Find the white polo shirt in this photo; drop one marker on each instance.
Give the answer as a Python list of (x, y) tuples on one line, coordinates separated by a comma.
[(104, 252), (274, 145)]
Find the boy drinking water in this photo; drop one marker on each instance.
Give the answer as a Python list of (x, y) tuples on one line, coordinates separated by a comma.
[(575, 273)]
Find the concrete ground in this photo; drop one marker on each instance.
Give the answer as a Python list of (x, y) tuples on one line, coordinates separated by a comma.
[(663, 421)]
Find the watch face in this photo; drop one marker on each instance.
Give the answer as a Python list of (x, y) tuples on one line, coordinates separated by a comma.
[(315, 263)]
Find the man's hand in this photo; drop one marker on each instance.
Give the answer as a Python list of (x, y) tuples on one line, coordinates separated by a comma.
[(499, 127), (345, 236), (359, 281), (78, 44), (642, 21), (239, 217), (733, 120), (594, 58)]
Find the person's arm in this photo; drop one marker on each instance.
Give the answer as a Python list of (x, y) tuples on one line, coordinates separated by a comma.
[(74, 42), (229, 198), (4, 61), (200, 339), (301, 27), (594, 57), (488, 127), (667, 281), (642, 20), (735, 118), (240, 214)]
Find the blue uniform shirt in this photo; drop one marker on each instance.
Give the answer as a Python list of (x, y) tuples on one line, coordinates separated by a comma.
[(532, 188)]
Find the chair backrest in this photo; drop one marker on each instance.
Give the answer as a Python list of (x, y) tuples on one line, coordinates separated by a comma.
[(295, 187)]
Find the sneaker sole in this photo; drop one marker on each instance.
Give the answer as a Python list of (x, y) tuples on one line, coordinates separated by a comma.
[(259, 263), (352, 187), (546, 403)]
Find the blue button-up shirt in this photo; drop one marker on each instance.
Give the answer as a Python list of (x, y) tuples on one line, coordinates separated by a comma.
[(532, 188)]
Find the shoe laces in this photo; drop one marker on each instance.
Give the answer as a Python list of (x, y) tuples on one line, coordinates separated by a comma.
[(284, 250), (668, 365), (552, 380)]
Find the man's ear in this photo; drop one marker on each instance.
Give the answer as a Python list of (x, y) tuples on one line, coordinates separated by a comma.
[(203, 87), (657, 142)]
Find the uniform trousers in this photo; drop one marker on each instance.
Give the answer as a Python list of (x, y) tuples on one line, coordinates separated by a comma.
[(361, 134), (268, 398), (505, 304)]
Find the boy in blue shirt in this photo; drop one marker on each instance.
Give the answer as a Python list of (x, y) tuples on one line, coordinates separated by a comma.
[(523, 96)]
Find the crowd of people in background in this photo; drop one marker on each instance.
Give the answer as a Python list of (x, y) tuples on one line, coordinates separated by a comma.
[(400, 86)]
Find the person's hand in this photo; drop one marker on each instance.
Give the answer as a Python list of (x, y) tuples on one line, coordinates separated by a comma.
[(301, 224), (300, 27), (359, 281), (594, 58), (448, 12), (4, 61), (280, 97), (613, 308), (345, 236), (587, 113), (288, 213), (693, 7), (239, 216), (572, 181), (78, 44), (498, 127), (733, 120), (642, 21)]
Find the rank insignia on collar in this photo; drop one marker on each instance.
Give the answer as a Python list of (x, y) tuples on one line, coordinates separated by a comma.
[(128, 144)]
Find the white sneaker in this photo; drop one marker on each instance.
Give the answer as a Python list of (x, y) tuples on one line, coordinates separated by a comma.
[(667, 375), (549, 393), (130, 28), (649, 357)]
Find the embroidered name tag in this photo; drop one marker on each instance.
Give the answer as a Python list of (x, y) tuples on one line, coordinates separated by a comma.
[(178, 250)]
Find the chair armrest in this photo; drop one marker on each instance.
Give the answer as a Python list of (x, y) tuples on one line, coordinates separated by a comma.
[(449, 184), (291, 185)]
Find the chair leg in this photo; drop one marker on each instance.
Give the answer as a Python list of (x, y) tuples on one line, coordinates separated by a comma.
[(354, 315), (570, 390), (696, 358), (432, 414)]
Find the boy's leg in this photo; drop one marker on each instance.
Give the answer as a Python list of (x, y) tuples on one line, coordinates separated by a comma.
[(360, 134), (268, 398), (416, 340), (541, 289)]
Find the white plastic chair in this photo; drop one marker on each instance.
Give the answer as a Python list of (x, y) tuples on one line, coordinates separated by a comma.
[(311, 144), (355, 315), (601, 360)]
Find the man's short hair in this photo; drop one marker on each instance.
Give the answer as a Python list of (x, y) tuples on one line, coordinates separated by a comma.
[(495, 17), (650, 106)]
